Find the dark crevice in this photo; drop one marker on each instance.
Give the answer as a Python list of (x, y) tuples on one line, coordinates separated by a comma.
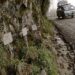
[(10, 70)]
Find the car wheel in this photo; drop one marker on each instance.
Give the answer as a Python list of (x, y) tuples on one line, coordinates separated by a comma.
[(72, 16), (63, 15), (58, 17)]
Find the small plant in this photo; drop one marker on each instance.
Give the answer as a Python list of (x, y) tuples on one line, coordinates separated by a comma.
[(46, 60), (32, 53), (47, 27), (35, 70), (3, 59)]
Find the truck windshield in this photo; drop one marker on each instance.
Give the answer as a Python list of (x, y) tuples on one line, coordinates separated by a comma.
[(69, 7)]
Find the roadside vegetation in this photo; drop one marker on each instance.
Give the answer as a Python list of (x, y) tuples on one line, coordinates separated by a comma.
[(38, 56)]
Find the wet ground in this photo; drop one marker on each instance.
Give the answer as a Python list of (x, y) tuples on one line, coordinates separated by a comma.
[(67, 29), (64, 56), (65, 48)]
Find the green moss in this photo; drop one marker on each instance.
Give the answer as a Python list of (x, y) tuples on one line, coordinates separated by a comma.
[(32, 53), (35, 69), (3, 58), (46, 26), (46, 60), (41, 57)]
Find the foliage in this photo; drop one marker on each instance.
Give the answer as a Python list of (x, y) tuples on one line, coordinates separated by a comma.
[(35, 70), (46, 60), (46, 26), (41, 57), (32, 53), (3, 56)]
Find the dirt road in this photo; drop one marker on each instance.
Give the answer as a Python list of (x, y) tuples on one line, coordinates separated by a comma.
[(66, 28)]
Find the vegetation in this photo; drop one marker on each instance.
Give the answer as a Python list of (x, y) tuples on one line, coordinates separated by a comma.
[(36, 56), (45, 60)]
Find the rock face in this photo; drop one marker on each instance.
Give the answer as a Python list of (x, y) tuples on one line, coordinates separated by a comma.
[(12, 13), (18, 13), (14, 16)]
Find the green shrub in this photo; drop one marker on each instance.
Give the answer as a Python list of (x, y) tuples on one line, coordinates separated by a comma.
[(46, 26), (46, 60), (35, 70), (32, 53), (3, 58)]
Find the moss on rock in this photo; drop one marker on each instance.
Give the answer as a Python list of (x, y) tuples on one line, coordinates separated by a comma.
[(36, 57)]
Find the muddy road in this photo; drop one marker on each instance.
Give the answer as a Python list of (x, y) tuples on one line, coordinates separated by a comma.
[(66, 28)]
